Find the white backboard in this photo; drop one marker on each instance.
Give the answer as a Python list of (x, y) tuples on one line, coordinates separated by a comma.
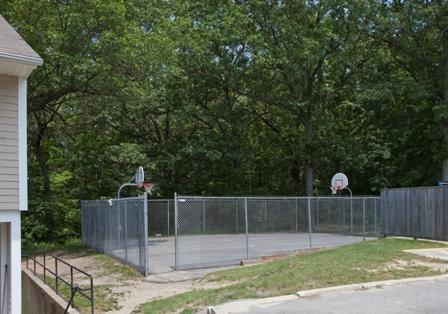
[(139, 176), (339, 180)]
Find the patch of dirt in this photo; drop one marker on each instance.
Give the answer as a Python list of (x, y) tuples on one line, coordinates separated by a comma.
[(279, 256), (128, 293), (403, 265)]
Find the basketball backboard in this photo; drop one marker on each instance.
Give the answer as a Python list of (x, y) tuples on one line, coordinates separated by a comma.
[(339, 182)]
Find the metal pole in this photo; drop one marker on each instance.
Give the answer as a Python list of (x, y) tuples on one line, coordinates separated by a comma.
[(72, 289), (203, 216), (351, 209), (265, 224), (176, 265), (168, 214), (247, 228), (374, 213), (364, 219), (317, 212), (91, 296), (297, 218), (126, 231), (309, 221), (122, 186), (45, 268), (57, 275), (236, 214), (117, 205), (145, 232), (109, 240)]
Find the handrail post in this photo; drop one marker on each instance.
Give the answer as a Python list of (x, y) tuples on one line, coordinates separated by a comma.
[(45, 268), (91, 295), (71, 285), (57, 275)]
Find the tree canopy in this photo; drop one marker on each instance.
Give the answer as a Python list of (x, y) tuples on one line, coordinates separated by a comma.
[(230, 98)]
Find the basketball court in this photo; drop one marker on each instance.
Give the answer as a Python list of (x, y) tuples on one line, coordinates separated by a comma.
[(218, 231), (228, 249)]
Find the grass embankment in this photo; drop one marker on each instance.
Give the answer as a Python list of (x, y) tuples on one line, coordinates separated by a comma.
[(104, 299), (362, 262)]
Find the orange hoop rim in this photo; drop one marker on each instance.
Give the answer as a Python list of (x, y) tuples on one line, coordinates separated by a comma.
[(147, 187)]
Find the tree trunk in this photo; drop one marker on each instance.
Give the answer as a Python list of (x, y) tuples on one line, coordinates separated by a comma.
[(42, 159), (309, 160), (42, 155)]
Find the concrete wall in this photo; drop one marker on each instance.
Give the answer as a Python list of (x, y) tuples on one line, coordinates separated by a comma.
[(38, 298)]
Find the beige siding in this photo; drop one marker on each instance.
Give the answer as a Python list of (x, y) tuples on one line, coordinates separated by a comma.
[(9, 153)]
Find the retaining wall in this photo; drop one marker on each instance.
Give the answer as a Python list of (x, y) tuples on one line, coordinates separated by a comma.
[(38, 298)]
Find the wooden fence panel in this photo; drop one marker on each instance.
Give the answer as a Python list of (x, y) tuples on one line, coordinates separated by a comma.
[(416, 212)]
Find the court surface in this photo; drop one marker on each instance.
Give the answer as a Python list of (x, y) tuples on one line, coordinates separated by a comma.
[(202, 251)]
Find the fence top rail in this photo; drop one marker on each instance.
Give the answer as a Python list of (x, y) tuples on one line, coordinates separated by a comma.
[(274, 197), (416, 188)]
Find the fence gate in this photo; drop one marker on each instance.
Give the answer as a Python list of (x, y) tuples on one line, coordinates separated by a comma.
[(118, 228)]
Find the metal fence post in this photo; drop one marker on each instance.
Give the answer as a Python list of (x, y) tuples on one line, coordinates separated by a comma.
[(309, 221), (375, 214), (363, 218), (297, 217), (236, 214), (126, 231), (145, 231), (265, 218), (117, 205), (176, 248), (351, 214), (247, 227), (111, 248), (203, 216), (168, 215)]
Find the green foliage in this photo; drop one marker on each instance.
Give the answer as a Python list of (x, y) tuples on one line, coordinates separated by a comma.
[(245, 97)]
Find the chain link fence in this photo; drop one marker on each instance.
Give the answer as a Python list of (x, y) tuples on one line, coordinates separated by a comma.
[(161, 217), (213, 231), (118, 228)]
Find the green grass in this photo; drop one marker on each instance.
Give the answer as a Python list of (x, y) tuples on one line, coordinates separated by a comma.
[(361, 262), (111, 266), (103, 298)]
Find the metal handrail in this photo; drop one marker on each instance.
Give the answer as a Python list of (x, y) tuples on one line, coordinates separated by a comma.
[(74, 289)]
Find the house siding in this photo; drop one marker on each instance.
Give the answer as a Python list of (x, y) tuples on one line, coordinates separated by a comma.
[(9, 141)]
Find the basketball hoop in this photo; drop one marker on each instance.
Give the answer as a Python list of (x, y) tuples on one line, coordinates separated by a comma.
[(147, 187), (334, 189), (338, 182)]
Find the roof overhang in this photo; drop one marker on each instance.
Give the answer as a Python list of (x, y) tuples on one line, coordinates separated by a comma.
[(18, 65)]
